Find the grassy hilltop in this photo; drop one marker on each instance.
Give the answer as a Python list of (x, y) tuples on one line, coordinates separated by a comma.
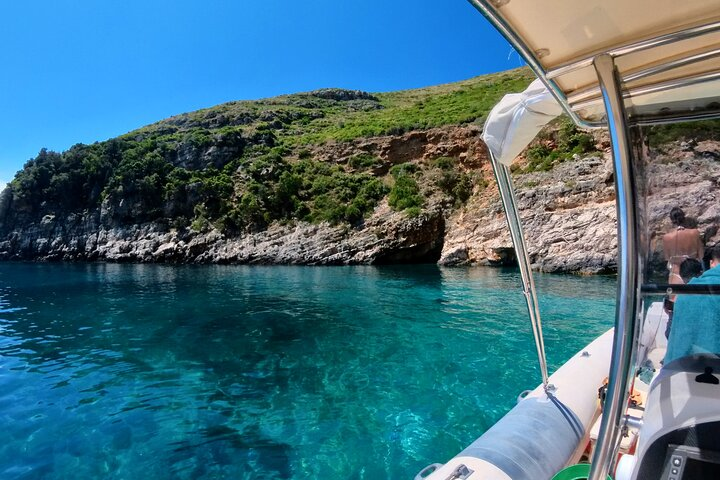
[(342, 115)]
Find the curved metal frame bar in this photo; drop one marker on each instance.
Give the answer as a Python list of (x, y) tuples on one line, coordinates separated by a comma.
[(591, 93), (507, 195), (646, 44), (529, 56), (629, 268)]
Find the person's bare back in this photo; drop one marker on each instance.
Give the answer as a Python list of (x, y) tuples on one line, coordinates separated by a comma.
[(680, 244), (677, 246)]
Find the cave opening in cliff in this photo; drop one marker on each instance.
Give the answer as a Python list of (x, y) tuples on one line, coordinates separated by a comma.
[(420, 254), (504, 257)]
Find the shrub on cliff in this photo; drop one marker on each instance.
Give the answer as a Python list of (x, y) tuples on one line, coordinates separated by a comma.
[(453, 182), (659, 135), (328, 193), (405, 192), (62, 183), (135, 190), (557, 144), (269, 188), (364, 161)]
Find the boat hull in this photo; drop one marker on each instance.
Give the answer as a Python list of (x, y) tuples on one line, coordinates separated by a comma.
[(543, 433)]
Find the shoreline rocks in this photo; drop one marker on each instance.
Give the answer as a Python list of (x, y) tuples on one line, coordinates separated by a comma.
[(386, 237)]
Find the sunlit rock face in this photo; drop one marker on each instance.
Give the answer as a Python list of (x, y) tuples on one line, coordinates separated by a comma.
[(569, 214)]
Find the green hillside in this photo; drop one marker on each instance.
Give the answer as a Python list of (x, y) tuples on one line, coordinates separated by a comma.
[(342, 115), (241, 165)]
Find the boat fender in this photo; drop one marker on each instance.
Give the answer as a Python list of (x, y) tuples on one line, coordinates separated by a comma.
[(625, 467), (425, 472), (518, 443)]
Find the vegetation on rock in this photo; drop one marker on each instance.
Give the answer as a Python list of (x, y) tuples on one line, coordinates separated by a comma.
[(688, 131), (561, 141), (405, 192), (243, 165)]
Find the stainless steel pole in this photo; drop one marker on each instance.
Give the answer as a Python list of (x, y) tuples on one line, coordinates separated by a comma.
[(628, 290), (507, 195)]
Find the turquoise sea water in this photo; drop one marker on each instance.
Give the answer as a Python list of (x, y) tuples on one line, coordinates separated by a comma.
[(145, 371)]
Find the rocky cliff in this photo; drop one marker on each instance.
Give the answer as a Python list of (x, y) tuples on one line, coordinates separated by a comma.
[(568, 214), (385, 236), (228, 185)]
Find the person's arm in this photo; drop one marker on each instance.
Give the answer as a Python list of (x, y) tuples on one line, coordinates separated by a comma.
[(700, 248)]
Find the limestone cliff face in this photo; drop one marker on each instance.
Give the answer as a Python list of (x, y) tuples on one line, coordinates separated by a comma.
[(569, 217), (568, 214), (386, 236)]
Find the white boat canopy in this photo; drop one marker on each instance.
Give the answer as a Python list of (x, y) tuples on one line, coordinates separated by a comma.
[(667, 52), (517, 119)]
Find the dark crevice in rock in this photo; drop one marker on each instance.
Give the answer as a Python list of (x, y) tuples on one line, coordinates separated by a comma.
[(421, 254), (504, 257)]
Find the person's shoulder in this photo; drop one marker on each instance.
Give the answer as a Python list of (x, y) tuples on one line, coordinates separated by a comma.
[(709, 276)]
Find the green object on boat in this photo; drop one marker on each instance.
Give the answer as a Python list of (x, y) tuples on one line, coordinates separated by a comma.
[(575, 472)]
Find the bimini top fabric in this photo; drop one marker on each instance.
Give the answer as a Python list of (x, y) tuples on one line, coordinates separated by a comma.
[(517, 119), (666, 51)]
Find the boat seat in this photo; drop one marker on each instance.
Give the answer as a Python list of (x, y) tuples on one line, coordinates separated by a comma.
[(652, 343)]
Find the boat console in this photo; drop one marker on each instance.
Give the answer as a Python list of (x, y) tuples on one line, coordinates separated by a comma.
[(685, 463)]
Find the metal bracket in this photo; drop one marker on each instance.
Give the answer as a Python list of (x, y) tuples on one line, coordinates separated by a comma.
[(460, 473), (507, 196)]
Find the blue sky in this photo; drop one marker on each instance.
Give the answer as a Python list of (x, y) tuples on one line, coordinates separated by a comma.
[(80, 71)]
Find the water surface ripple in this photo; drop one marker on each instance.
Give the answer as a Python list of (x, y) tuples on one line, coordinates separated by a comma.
[(200, 372)]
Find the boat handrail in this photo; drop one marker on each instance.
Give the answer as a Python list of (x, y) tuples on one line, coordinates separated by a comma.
[(629, 268), (507, 196), (676, 289)]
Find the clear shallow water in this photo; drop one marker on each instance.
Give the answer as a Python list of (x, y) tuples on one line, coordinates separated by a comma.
[(144, 371)]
